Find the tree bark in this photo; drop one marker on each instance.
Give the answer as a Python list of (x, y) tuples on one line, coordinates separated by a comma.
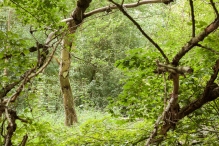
[(77, 17), (70, 113)]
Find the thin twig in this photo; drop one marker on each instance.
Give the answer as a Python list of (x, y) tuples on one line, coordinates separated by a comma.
[(88, 62), (193, 18), (141, 30), (207, 48)]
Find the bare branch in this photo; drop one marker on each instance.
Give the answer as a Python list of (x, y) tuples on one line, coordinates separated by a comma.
[(141, 30), (132, 5), (193, 18), (214, 7), (169, 115), (161, 68), (209, 49)]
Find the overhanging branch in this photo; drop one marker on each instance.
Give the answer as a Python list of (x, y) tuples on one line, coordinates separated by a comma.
[(131, 5), (111, 7)]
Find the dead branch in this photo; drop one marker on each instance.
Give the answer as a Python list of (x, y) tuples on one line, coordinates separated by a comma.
[(172, 115), (12, 115), (161, 68), (10, 128), (44, 47)]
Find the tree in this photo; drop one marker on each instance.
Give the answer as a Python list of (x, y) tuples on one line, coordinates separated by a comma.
[(172, 113)]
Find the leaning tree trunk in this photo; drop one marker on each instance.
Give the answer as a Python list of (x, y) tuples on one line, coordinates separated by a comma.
[(73, 23)]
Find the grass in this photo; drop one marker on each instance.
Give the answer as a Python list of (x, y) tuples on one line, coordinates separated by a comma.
[(94, 128)]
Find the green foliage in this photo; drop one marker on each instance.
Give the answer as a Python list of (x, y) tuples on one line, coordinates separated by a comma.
[(112, 64), (101, 130), (107, 131), (139, 98), (95, 77), (40, 13)]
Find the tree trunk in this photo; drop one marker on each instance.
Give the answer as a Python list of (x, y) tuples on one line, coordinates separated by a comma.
[(70, 113), (75, 21)]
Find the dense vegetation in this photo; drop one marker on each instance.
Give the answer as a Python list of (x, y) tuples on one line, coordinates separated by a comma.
[(123, 72)]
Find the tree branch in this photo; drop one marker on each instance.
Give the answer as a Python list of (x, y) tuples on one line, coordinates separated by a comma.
[(107, 8), (141, 30), (214, 7), (207, 48), (193, 18), (210, 93), (132, 5), (30, 74), (7, 88), (194, 41), (24, 141), (78, 13)]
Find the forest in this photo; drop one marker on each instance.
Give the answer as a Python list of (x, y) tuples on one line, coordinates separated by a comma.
[(109, 72)]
